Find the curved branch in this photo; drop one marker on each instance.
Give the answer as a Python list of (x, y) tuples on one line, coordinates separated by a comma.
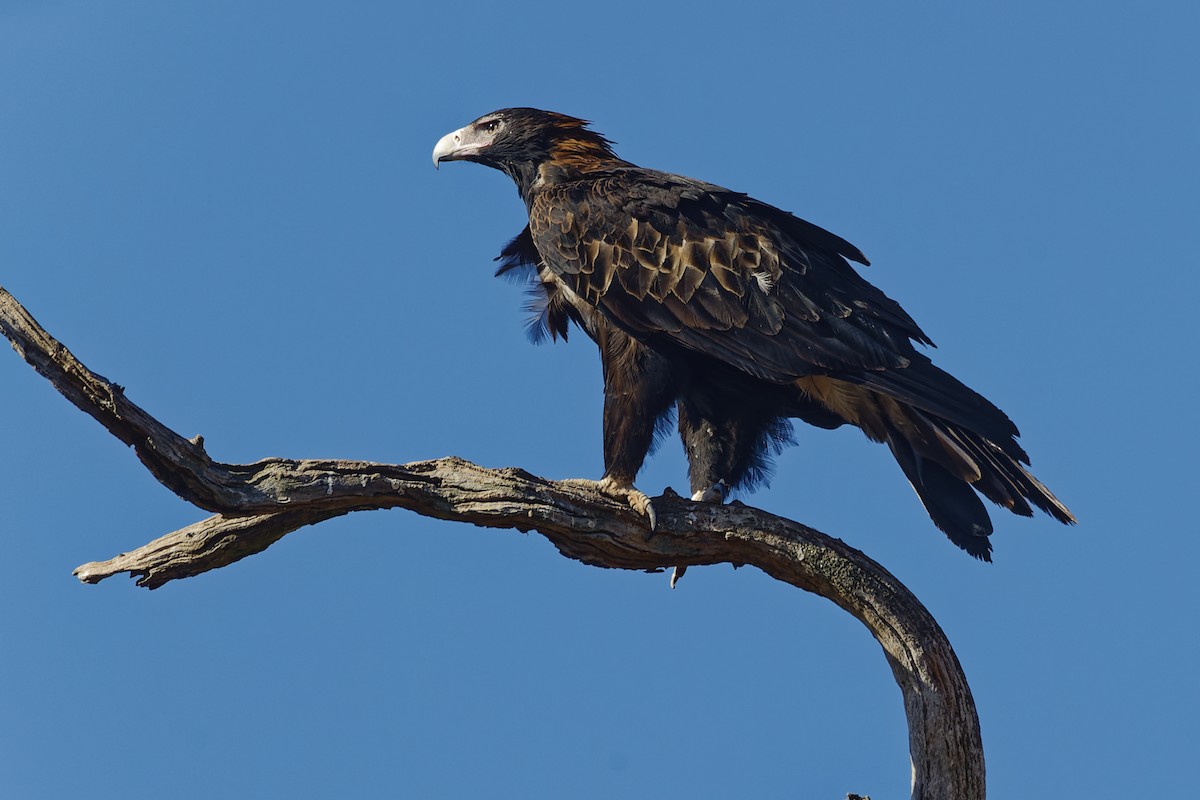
[(260, 503)]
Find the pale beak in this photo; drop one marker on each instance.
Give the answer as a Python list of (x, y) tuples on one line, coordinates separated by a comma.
[(455, 145)]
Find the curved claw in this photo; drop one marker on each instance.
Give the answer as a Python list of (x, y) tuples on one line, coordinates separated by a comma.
[(636, 499), (677, 573), (713, 494)]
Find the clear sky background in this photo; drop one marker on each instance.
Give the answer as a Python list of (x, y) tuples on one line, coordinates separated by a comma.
[(229, 208)]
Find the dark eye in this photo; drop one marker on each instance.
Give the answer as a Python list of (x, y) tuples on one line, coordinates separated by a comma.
[(490, 126)]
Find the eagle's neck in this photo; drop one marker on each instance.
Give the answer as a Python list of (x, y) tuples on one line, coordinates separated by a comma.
[(526, 175), (569, 160)]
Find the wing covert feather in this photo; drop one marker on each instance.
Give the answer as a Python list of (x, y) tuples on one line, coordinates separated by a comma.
[(719, 273)]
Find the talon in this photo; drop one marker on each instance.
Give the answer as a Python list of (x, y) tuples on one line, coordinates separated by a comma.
[(713, 494), (636, 499), (676, 574)]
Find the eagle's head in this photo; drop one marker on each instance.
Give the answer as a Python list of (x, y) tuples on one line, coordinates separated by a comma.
[(531, 145)]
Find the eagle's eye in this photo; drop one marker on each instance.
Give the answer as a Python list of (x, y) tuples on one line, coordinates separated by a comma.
[(490, 126)]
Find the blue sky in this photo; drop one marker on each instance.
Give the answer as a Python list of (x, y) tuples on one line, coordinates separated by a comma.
[(229, 208)]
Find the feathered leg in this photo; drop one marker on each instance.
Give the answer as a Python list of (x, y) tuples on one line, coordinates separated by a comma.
[(725, 453), (638, 393)]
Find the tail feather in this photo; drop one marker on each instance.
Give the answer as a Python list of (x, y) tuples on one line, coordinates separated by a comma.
[(950, 499), (952, 504), (949, 441), (1007, 482), (939, 394)]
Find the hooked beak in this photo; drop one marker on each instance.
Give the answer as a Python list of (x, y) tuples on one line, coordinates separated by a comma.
[(458, 145)]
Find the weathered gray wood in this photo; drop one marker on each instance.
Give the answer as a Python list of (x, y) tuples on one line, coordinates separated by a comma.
[(261, 502)]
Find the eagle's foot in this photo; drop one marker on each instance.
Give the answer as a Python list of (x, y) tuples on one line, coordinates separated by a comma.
[(713, 494), (614, 488)]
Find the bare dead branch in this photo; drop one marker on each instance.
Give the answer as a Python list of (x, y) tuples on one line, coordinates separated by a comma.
[(259, 503)]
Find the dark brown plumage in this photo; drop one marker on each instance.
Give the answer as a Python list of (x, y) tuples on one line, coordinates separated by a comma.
[(742, 317)]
